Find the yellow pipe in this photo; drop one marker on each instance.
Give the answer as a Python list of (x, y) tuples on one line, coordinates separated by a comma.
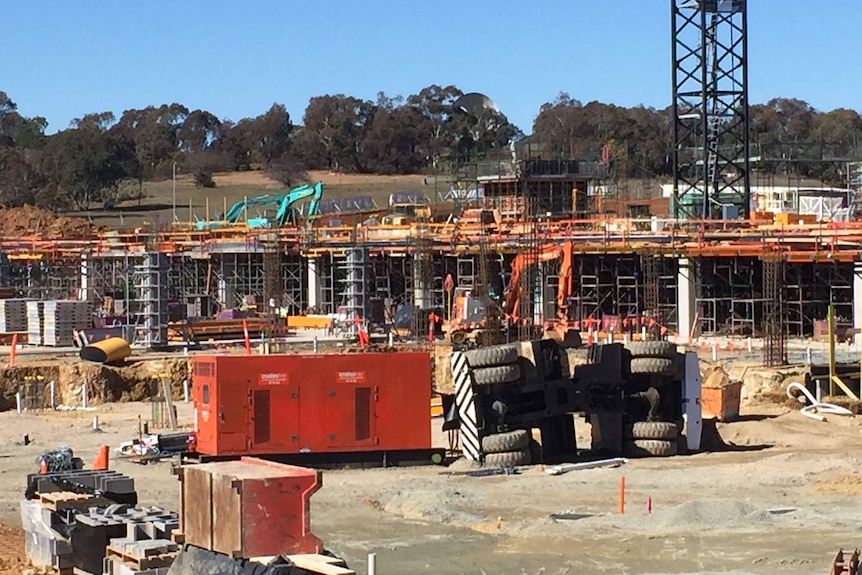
[(111, 350)]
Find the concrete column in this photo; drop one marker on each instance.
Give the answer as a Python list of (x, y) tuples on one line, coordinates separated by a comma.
[(314, 283), (686, 292), (419, 287), (84, 288), (857, 302)]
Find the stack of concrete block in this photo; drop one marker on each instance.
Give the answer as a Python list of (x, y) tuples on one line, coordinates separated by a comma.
[(62, 318), (46, 539), (122, 541), (111, 485), (35, 325), (13, 316)]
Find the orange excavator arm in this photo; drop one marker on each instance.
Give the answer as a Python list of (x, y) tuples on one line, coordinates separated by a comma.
[(547, 253)]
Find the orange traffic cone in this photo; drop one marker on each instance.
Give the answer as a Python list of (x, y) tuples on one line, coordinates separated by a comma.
[(101, 463), (43, 467)]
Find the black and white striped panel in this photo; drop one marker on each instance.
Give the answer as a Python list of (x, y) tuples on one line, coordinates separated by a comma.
[(466, 406)]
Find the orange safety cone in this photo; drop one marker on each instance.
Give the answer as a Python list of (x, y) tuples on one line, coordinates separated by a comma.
[(43, 467), (101, 463)]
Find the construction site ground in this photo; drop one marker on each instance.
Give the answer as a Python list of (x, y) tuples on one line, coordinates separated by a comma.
[(782, 499)]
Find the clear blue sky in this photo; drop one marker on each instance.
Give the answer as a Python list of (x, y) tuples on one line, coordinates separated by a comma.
[(63, 59)]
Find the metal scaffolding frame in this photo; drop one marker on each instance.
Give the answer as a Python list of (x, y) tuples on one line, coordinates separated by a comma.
[(809, 290), (151, 298), (710, 107), (729, 295)]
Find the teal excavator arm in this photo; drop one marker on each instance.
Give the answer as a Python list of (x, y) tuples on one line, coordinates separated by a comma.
[(234, 214), (298, 194)]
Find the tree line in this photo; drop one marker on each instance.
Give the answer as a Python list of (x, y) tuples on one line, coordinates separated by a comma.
[(89, 163)]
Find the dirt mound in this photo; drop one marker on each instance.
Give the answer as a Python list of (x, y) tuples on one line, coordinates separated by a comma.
[(839, 484), (138, 381), (13, 559), (32, 221)]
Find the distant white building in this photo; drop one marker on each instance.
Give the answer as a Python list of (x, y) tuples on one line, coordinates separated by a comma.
[(832, 204)]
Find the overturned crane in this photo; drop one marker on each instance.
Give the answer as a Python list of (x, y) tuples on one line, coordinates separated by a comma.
[(637, 398)]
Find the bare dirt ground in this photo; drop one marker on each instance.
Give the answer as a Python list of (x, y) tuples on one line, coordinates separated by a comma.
[(783, 501), (156, 207)]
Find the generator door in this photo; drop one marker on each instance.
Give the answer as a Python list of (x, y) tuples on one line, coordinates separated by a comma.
[(232, 416), (275, 418), (351, 411)]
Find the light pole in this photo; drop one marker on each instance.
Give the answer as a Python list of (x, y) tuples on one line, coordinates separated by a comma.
[(174, 186)]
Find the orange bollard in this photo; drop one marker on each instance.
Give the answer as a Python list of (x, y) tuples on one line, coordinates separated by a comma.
[(622, 499), (43, 467), (101, 463)]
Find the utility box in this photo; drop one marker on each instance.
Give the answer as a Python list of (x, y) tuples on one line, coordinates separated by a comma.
[(326, 403), (249, 508)]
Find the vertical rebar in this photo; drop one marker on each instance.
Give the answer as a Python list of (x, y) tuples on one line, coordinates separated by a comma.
[(773, 316)]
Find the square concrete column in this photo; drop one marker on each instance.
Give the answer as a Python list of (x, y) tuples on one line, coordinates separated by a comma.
[(857, 302), (314, 283), (84, 285), (686, 304)]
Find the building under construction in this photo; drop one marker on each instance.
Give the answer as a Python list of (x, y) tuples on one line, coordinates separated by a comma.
[(689, 277)]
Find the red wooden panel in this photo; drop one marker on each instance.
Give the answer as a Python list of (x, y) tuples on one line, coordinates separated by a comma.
[(196, 509)]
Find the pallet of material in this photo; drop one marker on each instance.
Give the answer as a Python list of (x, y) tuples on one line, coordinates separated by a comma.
[(145, 563), (63, 500)]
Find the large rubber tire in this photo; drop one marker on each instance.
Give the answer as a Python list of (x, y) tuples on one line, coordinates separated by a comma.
[(660, 430), (503, 442), (665, 349), (652, 366), (650, 448), (493, 355), (496, 375), (508, 459)]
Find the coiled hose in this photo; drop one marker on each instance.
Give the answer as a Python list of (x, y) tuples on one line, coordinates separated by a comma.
[(816, 408)]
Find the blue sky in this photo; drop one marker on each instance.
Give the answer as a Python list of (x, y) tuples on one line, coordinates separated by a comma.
[(63, 59)]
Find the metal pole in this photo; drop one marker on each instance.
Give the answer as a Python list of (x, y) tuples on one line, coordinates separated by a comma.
[(830, 319), (372, 564), (174, 186)]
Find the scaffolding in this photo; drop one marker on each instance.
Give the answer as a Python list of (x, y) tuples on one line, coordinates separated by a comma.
[(355, 283), (151, 299), (729, 295)]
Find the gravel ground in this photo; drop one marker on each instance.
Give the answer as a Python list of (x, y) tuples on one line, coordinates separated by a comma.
[(784, 499)]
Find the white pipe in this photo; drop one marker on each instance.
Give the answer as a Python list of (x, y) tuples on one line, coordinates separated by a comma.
[(715, 352), (391, 339), (315, 344), (808, 356), (18, 401), (748, 343), (84, 398), (53, 395), (186, 390), (816, 408), (95, 423), (372, 564)]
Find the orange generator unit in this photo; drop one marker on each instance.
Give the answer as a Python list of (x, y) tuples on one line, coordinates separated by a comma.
[(314, 407)]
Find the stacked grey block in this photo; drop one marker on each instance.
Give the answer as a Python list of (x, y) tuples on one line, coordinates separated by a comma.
[(13, 316), (62, 318), (34, 322), (148, 534), (115, 486), (46, 542)]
